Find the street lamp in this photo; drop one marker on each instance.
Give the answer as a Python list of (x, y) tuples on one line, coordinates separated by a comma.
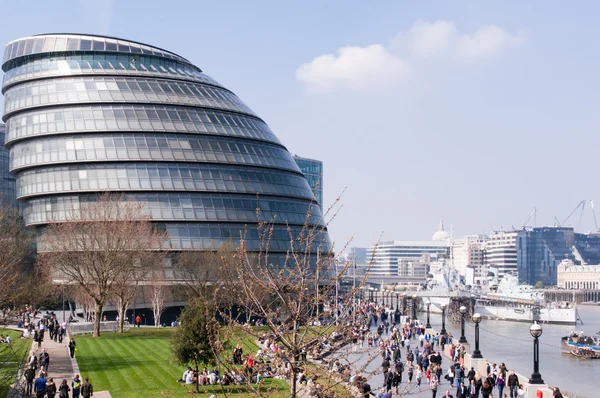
[(397, 301), (428, 326), (476, 318), (463, 311), (536, 331), (443, 331), (414, 298), (403, 304)]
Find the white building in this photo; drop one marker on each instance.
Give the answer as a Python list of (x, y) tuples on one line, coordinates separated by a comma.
[(571, 276), (500, 251), (408, 258), (467, 251)]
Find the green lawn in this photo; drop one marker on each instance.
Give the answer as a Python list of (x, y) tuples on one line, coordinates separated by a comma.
[(10, 357), (138, 364)]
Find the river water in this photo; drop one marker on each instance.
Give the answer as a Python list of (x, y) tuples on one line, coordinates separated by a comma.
[(511, 343)]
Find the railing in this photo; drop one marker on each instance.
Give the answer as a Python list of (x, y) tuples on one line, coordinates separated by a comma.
[(88, 327)]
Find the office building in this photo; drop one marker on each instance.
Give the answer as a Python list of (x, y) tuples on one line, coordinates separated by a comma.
[(89, 114), (540, 250), (313, 171), (466, 251), (573, 276), (408, 258), (500, 252), (7, 181)]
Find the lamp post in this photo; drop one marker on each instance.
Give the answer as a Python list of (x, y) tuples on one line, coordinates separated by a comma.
[(397, 300), (536, 331), (428, 326), (463, 311), (476, 353), (403, 304), (414, 305), (382, 296), (443, 331)]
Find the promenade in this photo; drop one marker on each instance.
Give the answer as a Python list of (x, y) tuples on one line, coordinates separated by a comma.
[(61, 366)]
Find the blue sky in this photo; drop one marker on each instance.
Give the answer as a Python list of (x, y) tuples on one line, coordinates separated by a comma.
[(474, 111)]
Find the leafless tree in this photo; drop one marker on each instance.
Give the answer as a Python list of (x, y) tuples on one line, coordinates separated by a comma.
[(97, 244), (288, 297), (157, 294), (15, 250)]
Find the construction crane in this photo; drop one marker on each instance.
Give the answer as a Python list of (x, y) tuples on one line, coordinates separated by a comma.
[(594, 214), (532, 215), (580, 204)]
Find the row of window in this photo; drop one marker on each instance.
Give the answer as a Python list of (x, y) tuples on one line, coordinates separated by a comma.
[(62, 43), (136, 118), (149, 147), (65, 65), (211, 236), (192, 177), (188, 207), (94, 89)]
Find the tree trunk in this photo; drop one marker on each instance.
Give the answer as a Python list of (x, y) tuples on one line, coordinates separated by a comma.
[(122, 311), (97, 319), (294, 387)]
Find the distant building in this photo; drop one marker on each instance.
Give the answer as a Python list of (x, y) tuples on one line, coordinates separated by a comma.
[(313, 171), (572, 276), (467, 251), (408, 258), (7, 182), (500, 252), (540, 250)]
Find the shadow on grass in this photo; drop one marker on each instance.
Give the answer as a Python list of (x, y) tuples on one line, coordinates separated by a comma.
[(96, 364)]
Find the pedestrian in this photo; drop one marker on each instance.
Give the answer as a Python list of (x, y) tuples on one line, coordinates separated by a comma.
[(556, 393), (39, 387), (419, 377), (473, 393), (138, 321), (51, 387), (45, 360), (521, 392), (29, 376), (72, 348), (63, 390), (513, 384), (434, 386), (500, 380), (76, 385), (86, 389)]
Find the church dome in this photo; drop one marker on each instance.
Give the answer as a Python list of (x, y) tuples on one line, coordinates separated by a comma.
[(440, 234)]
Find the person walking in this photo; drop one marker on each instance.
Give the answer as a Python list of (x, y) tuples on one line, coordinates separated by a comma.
[(434, 386), (86, 389), (63, 390), (72, 348), (513, 384), (39, 387), (45, 360), (50, 386), (29, 376), (76, 385)]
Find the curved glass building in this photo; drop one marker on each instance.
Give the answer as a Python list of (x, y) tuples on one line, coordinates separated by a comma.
[(89, 114)]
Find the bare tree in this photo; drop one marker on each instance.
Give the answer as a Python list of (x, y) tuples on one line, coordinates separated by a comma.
[(157, 294), (288, 298), (15, 250), (123, 291), (99, 242)]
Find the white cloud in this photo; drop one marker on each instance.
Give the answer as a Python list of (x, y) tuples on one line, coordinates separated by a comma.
[(484, 42), (355, 68), (361, 68)]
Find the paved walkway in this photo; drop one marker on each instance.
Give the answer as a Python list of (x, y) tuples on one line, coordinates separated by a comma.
[(62, 366)]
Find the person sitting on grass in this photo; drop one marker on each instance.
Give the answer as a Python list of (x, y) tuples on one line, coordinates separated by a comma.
[(213, 376)]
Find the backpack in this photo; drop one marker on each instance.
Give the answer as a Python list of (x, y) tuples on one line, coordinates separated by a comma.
[(76, 385)]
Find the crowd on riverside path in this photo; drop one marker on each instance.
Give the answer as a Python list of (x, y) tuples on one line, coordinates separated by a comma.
[(406, 346), (37, 326)]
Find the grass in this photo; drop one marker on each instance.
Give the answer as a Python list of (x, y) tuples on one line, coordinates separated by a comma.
[(11, 356), (138, 364)]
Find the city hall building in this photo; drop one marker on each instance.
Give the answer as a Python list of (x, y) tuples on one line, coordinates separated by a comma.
[(90, 114)]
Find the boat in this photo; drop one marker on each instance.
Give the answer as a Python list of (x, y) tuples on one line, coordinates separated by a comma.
[(507, 300), (580, 345), (585, 353)]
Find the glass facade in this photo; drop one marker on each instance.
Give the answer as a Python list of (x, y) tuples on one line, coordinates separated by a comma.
[(7, 182), (88, 114), (540, 250), (313, 171)]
